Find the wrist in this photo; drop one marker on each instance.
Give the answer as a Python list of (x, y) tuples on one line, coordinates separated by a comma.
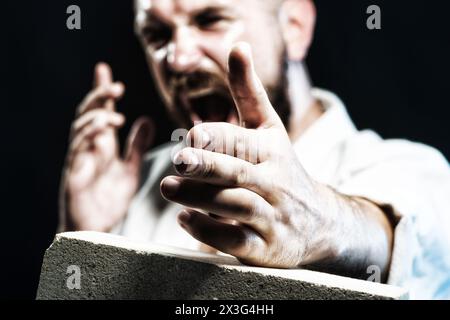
[(359, 235)]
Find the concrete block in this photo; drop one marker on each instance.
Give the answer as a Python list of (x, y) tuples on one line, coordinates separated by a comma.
[(89, 265)]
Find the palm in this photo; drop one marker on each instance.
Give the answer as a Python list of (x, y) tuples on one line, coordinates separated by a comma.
[(99, 184)]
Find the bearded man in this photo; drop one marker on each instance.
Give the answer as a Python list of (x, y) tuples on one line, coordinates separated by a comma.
[(274, 172)]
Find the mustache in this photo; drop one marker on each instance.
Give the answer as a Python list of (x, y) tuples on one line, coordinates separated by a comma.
[(195, 81)]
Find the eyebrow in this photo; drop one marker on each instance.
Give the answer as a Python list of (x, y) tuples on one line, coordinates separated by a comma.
[(211, 9), (152, 17)]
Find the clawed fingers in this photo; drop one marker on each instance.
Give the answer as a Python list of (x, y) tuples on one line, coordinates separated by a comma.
[(237, 240), (98, 118), (237, 204), (105, 91), (99, 97)]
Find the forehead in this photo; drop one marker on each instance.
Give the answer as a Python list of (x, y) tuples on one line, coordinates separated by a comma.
[(179, 6)]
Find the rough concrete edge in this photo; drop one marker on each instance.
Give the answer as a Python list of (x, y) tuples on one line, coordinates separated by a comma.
[(142, 247), (313, 277)]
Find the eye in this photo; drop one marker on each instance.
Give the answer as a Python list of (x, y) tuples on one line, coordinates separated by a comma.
[(156, 36), (209, 20)]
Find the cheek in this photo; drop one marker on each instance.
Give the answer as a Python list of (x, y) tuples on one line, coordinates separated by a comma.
[(267, 67), (267, 55), (267, 47), (218, 45), (156, 61)]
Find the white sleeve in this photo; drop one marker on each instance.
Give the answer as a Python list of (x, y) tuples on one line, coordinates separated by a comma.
[(415, 181)]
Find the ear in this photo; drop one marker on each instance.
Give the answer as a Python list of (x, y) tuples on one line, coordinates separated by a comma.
[(298, 18)]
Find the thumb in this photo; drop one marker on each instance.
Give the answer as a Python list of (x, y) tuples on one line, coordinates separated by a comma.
[(139, 140), (251, 99)]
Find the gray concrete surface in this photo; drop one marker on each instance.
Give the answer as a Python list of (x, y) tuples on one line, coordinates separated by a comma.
[(113, 267)]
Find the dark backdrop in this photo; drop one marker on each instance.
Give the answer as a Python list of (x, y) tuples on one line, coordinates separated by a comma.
[(394, 80)]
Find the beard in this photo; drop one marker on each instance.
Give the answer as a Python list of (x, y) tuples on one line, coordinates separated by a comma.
[(205, 97), (279, 94)]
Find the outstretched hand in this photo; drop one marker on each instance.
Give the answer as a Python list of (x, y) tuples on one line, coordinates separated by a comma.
[(249, 174)]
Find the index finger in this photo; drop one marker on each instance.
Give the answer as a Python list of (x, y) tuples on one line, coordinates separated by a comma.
[(102, 75), (221, 170)]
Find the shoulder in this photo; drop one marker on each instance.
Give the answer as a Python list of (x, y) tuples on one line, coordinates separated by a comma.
[(367, 148)]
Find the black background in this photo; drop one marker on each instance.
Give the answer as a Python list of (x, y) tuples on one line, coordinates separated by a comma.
[(393, 80)]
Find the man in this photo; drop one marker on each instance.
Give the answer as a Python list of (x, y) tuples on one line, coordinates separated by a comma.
[(275, 175)]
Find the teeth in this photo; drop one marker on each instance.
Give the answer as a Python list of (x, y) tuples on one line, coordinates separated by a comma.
[(199, 93)]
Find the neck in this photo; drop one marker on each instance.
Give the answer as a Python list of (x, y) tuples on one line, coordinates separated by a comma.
[(305, 110)]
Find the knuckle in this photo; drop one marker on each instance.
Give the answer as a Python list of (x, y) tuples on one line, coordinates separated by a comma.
[(100, 120), (241, 175), (87, 132), (102, 91), (240, 242), (253, 212), (100, 94), (240, 145), (207, 167), (193, 137), (95, 95), (92, 98)]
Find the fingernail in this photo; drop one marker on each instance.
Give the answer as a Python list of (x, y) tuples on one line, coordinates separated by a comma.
[(170, 186), (188, 162), (183, 218), (205, 140), (202, 139)]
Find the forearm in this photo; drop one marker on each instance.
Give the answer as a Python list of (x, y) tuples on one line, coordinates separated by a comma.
[(362, 237)]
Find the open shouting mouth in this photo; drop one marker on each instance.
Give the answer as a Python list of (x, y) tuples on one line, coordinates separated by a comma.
[(203, 97), (209, 105)]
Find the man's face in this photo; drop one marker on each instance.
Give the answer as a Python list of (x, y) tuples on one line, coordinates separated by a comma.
[(187, 43)]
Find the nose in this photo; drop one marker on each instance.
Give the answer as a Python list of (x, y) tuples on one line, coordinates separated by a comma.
[(184, 53)]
